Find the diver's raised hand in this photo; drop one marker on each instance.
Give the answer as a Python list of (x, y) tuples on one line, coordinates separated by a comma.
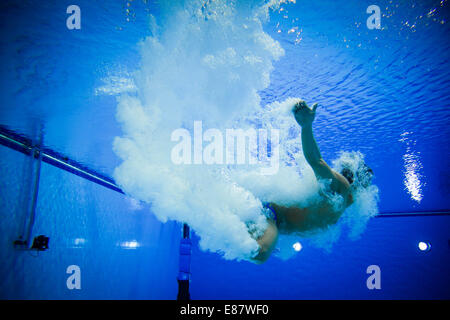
[(303, 114)]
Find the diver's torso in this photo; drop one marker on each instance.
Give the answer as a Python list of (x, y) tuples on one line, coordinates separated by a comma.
[(320, 214)]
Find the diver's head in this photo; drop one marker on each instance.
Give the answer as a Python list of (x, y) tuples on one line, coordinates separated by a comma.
[(352, 166), (362, 176)]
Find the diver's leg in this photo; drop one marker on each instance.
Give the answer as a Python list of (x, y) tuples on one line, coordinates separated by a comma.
[(267, 242)]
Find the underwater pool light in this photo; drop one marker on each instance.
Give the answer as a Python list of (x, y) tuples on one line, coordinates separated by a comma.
[(130, 244), (297, 246), (424, 246), (79, 242)]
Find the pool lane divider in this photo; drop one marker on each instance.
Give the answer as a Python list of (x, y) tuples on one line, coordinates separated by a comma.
[(25, 145), (412, 214)]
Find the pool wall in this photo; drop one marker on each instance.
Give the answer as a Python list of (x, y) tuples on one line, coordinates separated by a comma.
[(122, 251)]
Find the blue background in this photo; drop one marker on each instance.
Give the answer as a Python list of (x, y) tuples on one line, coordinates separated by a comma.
[(383, 92)]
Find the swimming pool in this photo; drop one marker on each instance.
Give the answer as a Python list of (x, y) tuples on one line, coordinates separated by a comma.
[(382, 91)]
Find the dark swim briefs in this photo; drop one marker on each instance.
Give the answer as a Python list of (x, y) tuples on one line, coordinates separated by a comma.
[(270, 212)]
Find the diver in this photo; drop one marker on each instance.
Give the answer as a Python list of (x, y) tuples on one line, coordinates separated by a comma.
[(323, 212)]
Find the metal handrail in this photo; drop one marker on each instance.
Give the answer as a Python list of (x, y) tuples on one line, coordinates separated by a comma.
[(24, 145)]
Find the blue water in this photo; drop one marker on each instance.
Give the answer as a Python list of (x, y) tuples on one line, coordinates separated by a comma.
[(384, 92)]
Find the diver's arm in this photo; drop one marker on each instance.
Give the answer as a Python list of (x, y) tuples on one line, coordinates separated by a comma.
[(312, 153), (321, 169), (305, 117)]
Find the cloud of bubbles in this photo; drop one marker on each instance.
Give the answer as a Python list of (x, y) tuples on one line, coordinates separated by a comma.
[(207, 60)]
